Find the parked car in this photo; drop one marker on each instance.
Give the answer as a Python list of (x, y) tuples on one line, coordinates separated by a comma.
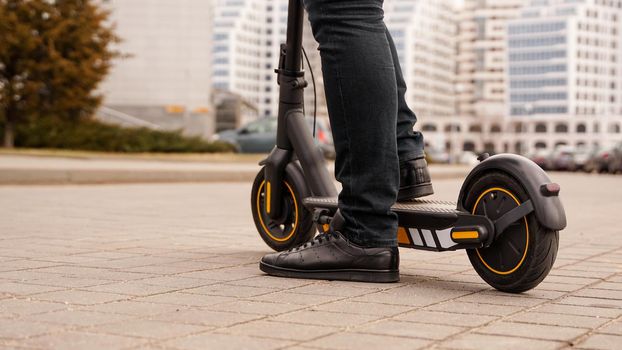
[(259, 136), (614, 161), (540, 156), (581, 158), (599, 161), (561, 158)]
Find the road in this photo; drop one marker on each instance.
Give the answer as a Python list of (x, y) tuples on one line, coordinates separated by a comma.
[(174, 266)]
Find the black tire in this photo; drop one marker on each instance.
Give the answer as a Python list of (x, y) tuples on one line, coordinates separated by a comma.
[(524, 254), (295, 226)]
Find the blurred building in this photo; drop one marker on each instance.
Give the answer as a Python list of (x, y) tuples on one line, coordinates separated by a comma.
[(481, 77), (164, 80), (232, 110), (424, 32), (241, 51), (565, 74), (534, 74), (482, 56), (247, 38)]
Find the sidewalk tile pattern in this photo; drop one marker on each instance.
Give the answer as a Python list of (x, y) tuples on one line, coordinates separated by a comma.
[(175, 267)]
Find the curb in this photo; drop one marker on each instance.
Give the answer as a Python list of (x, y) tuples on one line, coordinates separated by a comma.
[(64, 177), (15, 176)]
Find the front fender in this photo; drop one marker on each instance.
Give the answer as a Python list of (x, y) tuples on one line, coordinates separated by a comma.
[(549, 210)]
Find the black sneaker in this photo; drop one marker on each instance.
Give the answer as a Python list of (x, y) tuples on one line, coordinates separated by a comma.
[(331, 256), (415, 180)]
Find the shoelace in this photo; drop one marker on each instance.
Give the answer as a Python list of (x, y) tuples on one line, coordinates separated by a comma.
[(322, 237)]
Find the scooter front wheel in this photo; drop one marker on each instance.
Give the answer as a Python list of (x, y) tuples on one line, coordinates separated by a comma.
[(295, 224), (521, 256)]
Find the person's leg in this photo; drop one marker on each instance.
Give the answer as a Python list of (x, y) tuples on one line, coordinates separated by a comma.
[(361, 94), (415, 179), (409, 142)]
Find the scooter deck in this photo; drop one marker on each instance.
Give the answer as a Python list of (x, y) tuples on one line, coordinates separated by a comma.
[(415, 206), (421, 213), (424, 223)]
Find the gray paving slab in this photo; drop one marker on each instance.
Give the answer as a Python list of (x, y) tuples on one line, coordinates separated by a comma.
[(601, 342), (174, 266)]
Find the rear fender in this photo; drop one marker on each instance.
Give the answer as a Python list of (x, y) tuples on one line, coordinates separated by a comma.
[(548, 208)]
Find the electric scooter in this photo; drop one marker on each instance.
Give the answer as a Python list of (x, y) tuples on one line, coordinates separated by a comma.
[(507, 217)]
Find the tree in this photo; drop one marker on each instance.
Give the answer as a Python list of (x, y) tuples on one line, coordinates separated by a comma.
[(53, 55)]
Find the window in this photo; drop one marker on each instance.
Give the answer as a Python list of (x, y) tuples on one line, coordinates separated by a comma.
[(536, 28), (536, 83), (538, 97), (475, 128), (537, 55), (452, 128), (581, 128), (428, 127), (540, 128), (534, 42), (561, 128), (540, 144), (535, 70)]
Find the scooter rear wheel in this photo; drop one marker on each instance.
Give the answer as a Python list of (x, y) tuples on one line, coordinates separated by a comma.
[(522, 256), (295, 225)]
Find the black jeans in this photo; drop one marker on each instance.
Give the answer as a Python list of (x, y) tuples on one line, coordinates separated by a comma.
[(372, 125)]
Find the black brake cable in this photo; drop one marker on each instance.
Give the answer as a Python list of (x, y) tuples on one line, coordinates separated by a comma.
[(314, 91)]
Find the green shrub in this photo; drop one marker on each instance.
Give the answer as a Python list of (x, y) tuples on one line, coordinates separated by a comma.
[(92, 135)]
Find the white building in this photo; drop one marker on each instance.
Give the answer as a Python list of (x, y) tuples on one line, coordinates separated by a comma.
[(164, 78), (240, 52), (424, 32), (565, 74), (482, 56), (247, 39), (480, 83)]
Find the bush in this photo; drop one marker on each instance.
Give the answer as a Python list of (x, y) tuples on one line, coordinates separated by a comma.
[(92, 135)]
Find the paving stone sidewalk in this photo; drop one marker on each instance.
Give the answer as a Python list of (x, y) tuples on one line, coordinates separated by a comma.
[(174, 266)]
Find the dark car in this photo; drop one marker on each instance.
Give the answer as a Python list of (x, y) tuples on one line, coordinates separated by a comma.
[(614, 161), (599, 161), (259, 136)]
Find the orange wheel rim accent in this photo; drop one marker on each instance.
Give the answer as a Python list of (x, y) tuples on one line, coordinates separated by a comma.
[(263, 225), (526, 232)]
